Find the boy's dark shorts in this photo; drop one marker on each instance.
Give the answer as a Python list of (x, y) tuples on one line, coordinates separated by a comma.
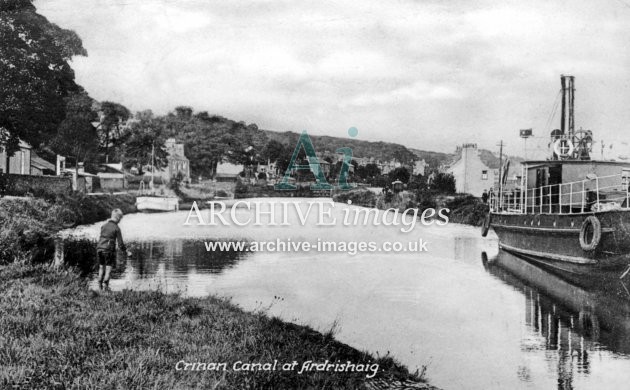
[(106, 258)]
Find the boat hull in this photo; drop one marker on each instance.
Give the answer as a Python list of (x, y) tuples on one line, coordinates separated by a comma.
[(157, 204), (598, 311), (553, 240)]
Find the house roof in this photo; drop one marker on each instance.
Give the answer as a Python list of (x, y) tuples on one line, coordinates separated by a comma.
[(489, 159), (114, 168), (40, 163), (229, 169)]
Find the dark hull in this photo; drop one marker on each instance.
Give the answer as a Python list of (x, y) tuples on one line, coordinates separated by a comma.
[(553, 240)]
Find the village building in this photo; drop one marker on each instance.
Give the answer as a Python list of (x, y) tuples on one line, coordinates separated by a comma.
[(389, 166), (473, 172), (41, 167), (19, 163), (112, 177), (419, 168), (363, 161), (318, 163), (270, 169), (228, 171), (178, 164)]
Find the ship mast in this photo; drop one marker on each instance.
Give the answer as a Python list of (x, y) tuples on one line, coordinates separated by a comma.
[(569, 143), (564, 138)]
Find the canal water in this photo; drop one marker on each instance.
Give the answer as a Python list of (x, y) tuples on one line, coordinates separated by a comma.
[(477, 318)]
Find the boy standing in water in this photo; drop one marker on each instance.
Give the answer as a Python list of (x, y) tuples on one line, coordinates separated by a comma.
[(106, 247)]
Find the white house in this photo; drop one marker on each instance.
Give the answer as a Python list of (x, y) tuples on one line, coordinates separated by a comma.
[(472, 174), (419, 167)]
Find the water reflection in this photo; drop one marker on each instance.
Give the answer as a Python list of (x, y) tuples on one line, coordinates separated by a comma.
[(165, 264), (179, 257), (571, 323)]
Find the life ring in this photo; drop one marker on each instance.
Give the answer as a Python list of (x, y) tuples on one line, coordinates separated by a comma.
[(557, 147), (486, 225), (590, 242)]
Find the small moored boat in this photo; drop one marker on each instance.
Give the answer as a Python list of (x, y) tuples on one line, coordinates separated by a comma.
[(157, 203), (149, 201)]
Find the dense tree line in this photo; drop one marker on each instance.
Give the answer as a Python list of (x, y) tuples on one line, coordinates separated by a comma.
[(383, 151)]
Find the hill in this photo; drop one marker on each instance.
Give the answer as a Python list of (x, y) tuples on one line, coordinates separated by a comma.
[(384, 151), (434, 159)]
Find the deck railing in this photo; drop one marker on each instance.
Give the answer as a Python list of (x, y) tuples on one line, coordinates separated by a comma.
[(596, 193)]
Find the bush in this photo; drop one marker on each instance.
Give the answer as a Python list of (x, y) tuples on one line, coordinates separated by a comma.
[(426, 200), (467, 210), (4, 184), (362, 197), (444, 183), (401, 174), (240, 190), (27, 226)]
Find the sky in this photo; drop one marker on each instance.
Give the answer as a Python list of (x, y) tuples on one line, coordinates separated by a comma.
[(425, 74)]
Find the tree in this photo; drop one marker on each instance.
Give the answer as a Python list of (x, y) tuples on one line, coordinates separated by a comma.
[(113, 117), (210, 140), (443, 183), (76, 136), (400, 173), (372, 170), (380, 181), (34, 74), (417, 182), (184, 112), (207, 143), (275, 151), (144, 139)]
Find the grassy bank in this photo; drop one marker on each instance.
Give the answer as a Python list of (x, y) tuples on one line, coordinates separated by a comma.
[(59, 334), (27, 225)]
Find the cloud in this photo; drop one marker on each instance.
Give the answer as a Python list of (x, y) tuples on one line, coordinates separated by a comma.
[(417, 91), (433, 73)]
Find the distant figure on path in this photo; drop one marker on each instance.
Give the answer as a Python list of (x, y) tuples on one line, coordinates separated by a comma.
[(106, 247), (484, 196)]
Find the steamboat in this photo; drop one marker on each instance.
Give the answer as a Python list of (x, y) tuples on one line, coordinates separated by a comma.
[(569, 212)]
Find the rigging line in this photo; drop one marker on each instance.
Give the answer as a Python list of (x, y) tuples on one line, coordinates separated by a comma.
[(554, 109)]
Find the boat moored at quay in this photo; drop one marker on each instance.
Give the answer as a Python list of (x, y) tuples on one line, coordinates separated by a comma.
[(570, 212)]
